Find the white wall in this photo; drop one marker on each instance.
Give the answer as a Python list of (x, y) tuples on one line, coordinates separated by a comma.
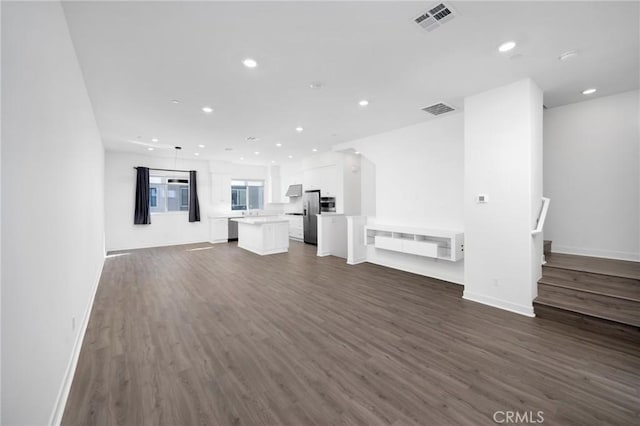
[(503, 160), (352, 193), (367, 187), (52, 211), (165, 228), (418, 172), (592, 175), (0, 223)]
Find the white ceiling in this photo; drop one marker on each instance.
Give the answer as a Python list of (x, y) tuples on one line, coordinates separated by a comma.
[(137, 56)]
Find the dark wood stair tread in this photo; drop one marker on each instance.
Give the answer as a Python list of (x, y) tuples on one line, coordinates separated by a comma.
[(597, 265), (607, 285), (595, 305)]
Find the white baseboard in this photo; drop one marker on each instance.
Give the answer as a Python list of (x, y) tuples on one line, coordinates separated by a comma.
[(499, 303), (608, 254), (356, 261), (63, 393)]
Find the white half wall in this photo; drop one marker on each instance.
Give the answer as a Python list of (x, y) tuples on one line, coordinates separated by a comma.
[(52, 212), (332, 235), (592, 175), (165, 228), (414, 176), (503, 160)]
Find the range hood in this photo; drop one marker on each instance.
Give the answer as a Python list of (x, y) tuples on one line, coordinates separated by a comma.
[(294, 191)]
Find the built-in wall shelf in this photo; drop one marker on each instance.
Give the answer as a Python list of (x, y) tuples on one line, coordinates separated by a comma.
[(436, 243)]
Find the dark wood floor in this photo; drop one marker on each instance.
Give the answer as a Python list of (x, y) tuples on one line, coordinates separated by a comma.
[(224, 337)]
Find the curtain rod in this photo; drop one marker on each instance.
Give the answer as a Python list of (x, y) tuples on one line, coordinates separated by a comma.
[(167, 170)]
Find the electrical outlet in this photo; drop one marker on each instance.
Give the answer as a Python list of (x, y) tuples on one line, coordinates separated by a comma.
[(482, 198)]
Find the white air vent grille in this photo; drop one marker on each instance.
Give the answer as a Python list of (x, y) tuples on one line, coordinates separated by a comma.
[(439, 109), (435, 16)]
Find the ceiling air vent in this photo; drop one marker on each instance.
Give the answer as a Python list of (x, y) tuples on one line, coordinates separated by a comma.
[(435, 16), (439, 109)]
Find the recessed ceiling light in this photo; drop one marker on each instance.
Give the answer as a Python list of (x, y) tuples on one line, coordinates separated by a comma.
[(505, 47), (154, 140), (357, 152), (315, 85), (257, 153), (174, 101), (299, 129), (273, 161), (568, 55), (250, 63), (242, 158), (149, 149), (200, 146), (363, 102), (314, 150), (290, 156), (278, 144), (207, 109), (589, 91), (196, 153)]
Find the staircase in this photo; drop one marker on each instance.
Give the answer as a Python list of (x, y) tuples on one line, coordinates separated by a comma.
[(590, 292)]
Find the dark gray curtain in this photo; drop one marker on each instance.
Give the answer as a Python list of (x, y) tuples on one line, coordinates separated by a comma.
[(142, 215), (194, 205)]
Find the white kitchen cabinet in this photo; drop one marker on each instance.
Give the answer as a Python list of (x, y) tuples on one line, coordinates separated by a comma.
[(221, 188), (218, 230), (323, 178), (296, 230), (266, 235)]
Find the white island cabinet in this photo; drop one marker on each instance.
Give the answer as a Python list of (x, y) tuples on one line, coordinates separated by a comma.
[(263, 235)]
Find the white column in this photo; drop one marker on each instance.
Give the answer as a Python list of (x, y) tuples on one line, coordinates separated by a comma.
[(503, 161)]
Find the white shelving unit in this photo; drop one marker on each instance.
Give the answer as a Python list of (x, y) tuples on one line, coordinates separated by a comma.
[(438, 244)]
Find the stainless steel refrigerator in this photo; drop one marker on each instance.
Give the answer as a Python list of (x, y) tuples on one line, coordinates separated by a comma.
[(311, 207)]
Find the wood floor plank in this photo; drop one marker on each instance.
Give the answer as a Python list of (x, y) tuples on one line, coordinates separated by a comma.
[(596, 265), (225, 337)]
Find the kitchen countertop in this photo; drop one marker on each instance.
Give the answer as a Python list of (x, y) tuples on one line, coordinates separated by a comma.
[(238, 215), (257, 220)]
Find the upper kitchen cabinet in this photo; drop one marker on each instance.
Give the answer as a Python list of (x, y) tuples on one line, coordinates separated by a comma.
[(336, 175), (324, 178), (220, 189)]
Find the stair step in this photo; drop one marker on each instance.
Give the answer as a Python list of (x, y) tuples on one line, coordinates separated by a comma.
[(588, 323), (595, 305), (607, 285), (596, 265)]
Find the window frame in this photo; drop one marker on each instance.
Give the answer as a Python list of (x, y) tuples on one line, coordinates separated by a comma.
[(246, 187), (166, 184)]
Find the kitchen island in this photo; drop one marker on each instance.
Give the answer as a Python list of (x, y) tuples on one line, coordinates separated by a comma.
[(263, 235)]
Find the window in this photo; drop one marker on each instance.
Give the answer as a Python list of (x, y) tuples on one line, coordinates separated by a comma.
[(247, 195), (153, 197), (168, 194)]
